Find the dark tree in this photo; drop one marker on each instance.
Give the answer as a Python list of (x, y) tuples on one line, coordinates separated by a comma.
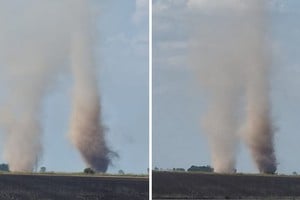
[(4, 167), (43, 170), (179, 169), (194, 168), (89, 171)]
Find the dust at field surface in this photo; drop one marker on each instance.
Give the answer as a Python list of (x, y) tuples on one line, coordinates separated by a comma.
[(172, 185), (56, 187)]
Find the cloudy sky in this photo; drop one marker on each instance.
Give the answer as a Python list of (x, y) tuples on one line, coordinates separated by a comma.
[(178, 104), (122, 53)]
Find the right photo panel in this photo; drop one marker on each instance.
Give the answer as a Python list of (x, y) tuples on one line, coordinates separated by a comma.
[(226, 99)]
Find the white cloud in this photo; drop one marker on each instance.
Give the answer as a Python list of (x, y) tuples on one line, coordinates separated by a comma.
[(280, 6), (160, 6), (216, 4), (141, 12), (234, 5), (164, 5)]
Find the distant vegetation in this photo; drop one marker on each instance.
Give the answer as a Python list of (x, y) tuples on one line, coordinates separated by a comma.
[(43, 170), (209, 169), (89, 171), (179, 169), (4, 167), (194, 168)]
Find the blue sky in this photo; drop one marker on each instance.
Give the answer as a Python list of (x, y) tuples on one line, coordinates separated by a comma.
[(178, 104), (122, 54)]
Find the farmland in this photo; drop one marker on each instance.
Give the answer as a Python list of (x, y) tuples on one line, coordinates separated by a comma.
[(72, 187), (172, 185)]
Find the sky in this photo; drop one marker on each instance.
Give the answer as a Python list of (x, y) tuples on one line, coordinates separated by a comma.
[(178, 101), (122, 53)]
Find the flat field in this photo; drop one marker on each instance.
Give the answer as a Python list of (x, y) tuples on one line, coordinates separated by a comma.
[(72, 187), (172, 185)]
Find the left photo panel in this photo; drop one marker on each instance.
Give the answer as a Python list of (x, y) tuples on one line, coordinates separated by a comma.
[(74, 104)]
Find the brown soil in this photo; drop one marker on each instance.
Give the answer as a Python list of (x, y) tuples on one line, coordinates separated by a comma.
[(54, 187), (171, 185)]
